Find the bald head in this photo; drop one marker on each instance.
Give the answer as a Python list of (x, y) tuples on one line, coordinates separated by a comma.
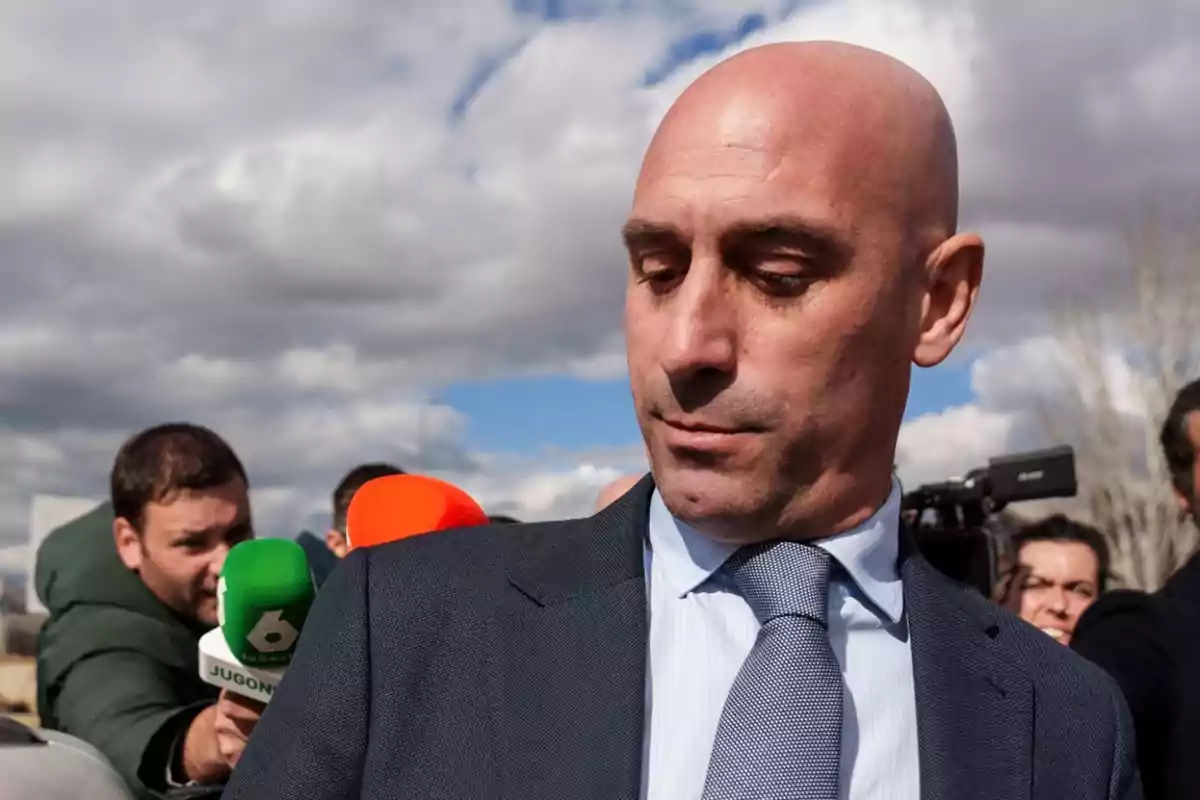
[(877, 126), (615, 490), (792, 253)]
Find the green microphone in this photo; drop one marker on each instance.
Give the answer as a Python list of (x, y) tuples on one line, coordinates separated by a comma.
[(263, 598)]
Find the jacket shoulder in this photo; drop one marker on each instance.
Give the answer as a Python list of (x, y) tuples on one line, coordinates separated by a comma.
[(433, 597), (1128, 613), (62, 555), (1077, 685), (87, 630), (462, 561)]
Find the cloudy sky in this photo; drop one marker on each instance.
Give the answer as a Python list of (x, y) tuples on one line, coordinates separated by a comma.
[(346, 230)]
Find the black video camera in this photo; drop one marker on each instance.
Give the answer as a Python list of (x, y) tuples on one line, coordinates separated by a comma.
[(953, 522)]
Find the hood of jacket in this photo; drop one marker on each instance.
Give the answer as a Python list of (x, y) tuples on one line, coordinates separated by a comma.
[(78, 565)]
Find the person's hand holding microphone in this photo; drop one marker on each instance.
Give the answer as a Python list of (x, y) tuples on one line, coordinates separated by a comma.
[(267, 589), (264, 596), (233, 720)]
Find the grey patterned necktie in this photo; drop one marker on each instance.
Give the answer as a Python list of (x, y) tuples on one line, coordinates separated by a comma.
[(780, 732)]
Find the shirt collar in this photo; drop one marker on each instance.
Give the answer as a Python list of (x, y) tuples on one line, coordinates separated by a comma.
[(687, 558)]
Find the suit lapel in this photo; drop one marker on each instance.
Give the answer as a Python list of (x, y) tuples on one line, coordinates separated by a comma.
[(974, 710), (573, 659), (571, 671)]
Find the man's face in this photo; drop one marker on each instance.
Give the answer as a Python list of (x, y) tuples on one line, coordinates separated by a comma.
[(770, 327), (1189, 504), (335, 540), (1061, 579), (183, 543)]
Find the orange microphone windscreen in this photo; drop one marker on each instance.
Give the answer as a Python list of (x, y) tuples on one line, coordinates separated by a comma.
[(399, 506)]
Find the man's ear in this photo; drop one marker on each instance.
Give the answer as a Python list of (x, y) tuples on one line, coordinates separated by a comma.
[(1185, 504), (128, 542), (335, 540), (953, 273)]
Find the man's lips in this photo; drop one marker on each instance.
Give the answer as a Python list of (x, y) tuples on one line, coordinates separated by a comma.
[(701, 436), (692, 425), (703, 427)]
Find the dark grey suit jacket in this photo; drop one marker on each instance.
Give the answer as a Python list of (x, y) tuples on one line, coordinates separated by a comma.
[(509, 663), (1148, 643)]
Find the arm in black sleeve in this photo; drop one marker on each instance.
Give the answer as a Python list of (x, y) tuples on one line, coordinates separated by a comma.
[(312, 739), (1129, 635), (1122, 632)]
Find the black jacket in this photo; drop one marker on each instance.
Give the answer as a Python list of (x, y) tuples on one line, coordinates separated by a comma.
[(116, 667), (1151, 644), (509, 662)]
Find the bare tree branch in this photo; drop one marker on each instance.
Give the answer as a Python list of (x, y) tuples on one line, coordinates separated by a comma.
[(1120, 371)]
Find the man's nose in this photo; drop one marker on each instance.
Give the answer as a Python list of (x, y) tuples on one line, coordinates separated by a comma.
[(219, 553), (702, 335), (1058, 600)]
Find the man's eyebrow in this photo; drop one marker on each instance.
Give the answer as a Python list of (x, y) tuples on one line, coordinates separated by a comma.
[(789, 231), (194, 533), (783, 230), (188, 534), (642, 232)]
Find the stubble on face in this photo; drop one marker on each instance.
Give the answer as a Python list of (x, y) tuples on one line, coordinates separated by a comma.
[(774, 298)]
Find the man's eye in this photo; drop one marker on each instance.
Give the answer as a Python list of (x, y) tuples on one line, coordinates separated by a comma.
[(780, 278), (784, 277), (657, 268), (772, 271)]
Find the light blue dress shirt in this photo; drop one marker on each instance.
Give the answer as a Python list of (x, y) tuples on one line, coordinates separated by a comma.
[(701, 630)]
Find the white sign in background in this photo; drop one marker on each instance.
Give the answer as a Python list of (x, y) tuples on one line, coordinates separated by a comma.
[(49, 511)]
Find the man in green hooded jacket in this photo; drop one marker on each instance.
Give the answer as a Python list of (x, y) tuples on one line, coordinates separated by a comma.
[(131, 587)]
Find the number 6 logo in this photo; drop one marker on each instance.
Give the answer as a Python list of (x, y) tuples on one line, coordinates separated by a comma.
[(272, 633)]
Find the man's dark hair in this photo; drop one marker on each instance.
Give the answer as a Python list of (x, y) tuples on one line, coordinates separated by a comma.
[(1061, 528), (165, 459), (354, 481), (1177, 445)]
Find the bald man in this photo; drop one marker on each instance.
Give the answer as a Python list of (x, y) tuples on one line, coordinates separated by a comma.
[(615, 490), (748, 622)]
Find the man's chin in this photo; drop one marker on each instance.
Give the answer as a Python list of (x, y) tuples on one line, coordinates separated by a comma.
[(206, 611), (707, 499)]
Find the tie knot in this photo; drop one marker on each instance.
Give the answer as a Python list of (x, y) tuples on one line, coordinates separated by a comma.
[(783, 579)]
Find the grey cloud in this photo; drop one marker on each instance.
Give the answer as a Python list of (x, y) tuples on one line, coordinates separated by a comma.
[(263, 218), (1079, 106), (1086, 117)]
